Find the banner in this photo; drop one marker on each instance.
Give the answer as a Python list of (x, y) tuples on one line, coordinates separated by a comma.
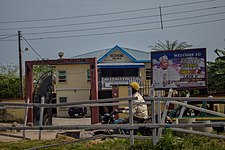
[(107, 82), (179, 69)]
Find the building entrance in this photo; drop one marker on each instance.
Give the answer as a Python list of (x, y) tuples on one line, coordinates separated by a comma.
[(105, 109)]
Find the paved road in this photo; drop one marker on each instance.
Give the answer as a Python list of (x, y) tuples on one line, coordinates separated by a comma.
[(12, 135), (71, 121)]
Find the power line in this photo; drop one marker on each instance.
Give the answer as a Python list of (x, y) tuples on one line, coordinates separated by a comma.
[(8, 37), (7, 34), (104, 14), (112, 20), (126, 25), (32, 48), (95, 34), (187, 3), (92, 15), (193, 17), (188, 24), (194, 10), (96, 28), (126, 31), (83, 23)]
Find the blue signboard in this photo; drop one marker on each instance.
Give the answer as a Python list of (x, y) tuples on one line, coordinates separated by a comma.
[(179, 69)]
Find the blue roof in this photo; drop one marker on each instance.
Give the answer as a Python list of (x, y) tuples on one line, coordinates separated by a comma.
[(135, 55)]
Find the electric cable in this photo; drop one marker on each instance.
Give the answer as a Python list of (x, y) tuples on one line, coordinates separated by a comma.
[(111, 20), (126, 25), (103, 14), (127, 31), (32, 48), (9, 36)]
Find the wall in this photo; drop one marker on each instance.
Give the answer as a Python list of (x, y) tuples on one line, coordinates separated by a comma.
[(12, 115), (76, 88), (116, 56), (123, 91)]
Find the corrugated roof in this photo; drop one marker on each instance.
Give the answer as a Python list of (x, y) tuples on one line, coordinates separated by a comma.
[(98, 54), (140, 56)]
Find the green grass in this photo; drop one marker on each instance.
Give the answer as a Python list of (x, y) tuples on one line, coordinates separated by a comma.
[(168, 142), (189, 142)]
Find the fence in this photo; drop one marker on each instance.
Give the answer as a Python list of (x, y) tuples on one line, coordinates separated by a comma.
[(131, 126)]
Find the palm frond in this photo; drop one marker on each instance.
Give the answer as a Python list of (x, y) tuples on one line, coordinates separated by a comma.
[(219, 52), (168, 45)]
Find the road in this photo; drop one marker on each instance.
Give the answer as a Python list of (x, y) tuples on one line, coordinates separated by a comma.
[(31, 134)]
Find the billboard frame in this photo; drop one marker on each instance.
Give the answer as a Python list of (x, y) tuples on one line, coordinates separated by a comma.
[(162, 52)]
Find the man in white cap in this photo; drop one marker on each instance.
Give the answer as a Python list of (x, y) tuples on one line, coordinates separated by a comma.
[(165, 76)]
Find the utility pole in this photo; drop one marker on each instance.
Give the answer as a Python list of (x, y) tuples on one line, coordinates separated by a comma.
[(20, 64), (160, 13)]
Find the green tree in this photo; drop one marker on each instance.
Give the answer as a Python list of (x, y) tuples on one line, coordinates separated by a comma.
[(216, 71), (174, 45), (40, 70), (9, 81), (9, 69)]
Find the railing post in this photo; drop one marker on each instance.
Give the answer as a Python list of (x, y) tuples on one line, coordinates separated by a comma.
[(159, 114), (153, 122), (183, 108), (25, 118), (164, 115), (159, 106), (131, 122), (41, 116)]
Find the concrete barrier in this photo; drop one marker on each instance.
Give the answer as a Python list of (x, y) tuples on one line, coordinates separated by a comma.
[(202, 129)]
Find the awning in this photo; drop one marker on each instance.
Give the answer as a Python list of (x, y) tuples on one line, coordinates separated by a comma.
[(121, 65)]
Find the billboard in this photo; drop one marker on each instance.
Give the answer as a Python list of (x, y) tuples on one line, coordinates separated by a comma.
[(179, 69)]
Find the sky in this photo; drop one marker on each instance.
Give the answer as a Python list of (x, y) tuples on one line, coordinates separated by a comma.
[(80, 26)]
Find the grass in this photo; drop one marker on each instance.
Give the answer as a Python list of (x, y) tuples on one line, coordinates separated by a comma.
[(168, 142)]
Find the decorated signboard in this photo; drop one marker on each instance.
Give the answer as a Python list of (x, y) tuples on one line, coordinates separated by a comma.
[(179, 69)]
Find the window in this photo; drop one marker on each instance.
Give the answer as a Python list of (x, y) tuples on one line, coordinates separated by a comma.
[(62, 76), (148, 74), (88, 75), (62, 100)]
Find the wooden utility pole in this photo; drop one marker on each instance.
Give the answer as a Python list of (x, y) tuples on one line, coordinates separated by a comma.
[(20, 64)]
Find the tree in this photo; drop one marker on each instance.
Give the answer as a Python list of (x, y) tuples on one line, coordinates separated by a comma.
[(174, 45), (9, 81), (216, 71), (40, 72)]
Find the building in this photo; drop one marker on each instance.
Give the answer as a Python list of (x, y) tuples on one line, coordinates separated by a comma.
[(120, 66), (72, 84)]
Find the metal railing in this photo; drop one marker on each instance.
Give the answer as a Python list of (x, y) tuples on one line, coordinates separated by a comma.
[(131, 126)]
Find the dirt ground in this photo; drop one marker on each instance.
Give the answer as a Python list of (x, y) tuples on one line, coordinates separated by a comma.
[(33, 134)]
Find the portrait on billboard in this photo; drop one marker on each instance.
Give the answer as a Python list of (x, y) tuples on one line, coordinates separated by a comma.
[(179, 69)]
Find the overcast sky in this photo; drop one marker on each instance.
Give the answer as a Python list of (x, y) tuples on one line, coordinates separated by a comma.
[(79, 26)]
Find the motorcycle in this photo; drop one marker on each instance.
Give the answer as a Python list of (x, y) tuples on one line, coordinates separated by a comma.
[(110, 119), (77, 112)]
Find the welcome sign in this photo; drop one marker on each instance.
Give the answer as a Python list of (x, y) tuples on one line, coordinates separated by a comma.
[(179, 69)]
